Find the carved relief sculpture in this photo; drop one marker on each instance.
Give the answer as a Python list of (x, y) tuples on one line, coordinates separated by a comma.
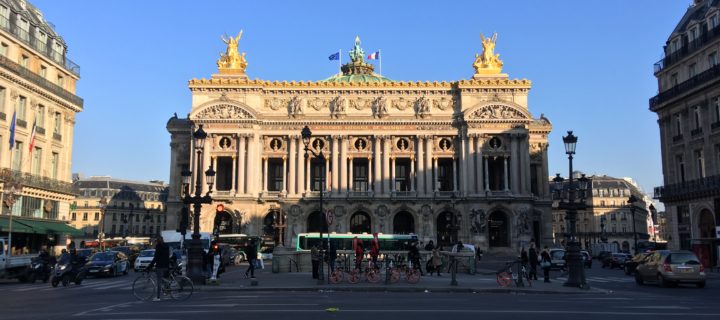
[(426, 212), (401, 104), (380, 109), (422, 107), (338, 107), (225, 112), (232, 62), (497, 112), (295, 107), (317, 104), (478, 220), (274, 103), (522, 221)]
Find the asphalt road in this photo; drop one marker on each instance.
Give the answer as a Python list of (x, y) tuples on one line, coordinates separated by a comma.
[(111, 298)]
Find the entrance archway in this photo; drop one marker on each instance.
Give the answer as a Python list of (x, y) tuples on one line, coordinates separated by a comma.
[(314, 222), (360, 222), (223, 223), (706, 224), (498, 230), (445, 233), (268, 229), (403, 223)]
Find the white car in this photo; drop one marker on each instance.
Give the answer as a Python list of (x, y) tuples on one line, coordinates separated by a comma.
[(144, 259)]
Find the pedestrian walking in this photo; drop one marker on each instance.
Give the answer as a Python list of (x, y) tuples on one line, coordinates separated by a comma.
[(430, 246), (436, 260), (315, 258), (332, 255), (374, 250), (359, 252), (161, 262), (414, 257), (533, 256), (251, 254), (545, 263)]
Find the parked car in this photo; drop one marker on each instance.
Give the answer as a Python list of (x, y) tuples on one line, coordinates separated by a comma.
[(616, 260), (85, 253), (668, 267), (602, 255), (110, 263), (557, 258), (631, 265), (587, 259), (131, 252), (143, 260)]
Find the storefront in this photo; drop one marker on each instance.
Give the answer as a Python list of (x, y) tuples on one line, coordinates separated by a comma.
[(29, 236)]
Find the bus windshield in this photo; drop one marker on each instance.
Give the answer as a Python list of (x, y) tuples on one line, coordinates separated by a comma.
[(239, 240)]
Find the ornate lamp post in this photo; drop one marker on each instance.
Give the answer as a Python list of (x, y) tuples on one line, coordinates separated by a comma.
[(603, 235), (103, 208), (195, 251), (571, 205), (306, 135), (632, 200)]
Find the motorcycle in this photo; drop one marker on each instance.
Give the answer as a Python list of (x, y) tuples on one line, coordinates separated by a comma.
[(67, 270), (39, 269)]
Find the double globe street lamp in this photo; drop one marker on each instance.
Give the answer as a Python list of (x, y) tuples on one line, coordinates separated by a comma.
[(195, 250), (571, 198), (306, 136), (632, 200)]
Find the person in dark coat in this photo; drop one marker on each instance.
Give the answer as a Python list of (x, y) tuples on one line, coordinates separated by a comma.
[(545, 255), (315, 259), (533, 256), (251, 254), (161, 262), (332, 255)]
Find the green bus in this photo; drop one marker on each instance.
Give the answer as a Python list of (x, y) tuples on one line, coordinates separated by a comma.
[(344, 241)]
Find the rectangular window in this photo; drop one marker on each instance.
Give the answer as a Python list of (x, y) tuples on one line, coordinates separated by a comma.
[(40, 116), (97, 216), (680, 168), (445, 174), (694, 33), (36, 161), (61, 81), (17, 156), (43, 71), (23, 28), (691, 70), (4, 17), (316, 172), (678, 125), (360, 175), (224, 176), (3, 93), (54, 165), (714, 21), (57, 119), (85, 214), (716, 107), (696, 117), (4, 49), (700, 163), (22, 103), (402, 175), (24, 61), (673, 80), (73, 216), (275, 174)]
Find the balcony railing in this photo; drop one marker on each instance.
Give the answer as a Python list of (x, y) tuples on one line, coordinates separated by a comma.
[(43, 48), (695, 132), (687, 49), (706, 77), (708, 186), (39, 81), (37, 182), (360, 194)]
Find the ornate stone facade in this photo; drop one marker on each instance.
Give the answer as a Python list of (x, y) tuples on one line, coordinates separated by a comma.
[(402, 156)]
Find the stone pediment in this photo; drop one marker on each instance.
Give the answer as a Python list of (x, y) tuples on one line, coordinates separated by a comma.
[(497, 111), (223, 111)]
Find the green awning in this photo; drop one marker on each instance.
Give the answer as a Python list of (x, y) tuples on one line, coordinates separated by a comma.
[(26, 225)]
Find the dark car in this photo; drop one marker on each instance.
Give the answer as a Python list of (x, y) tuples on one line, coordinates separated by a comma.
[(602, 255), (85, 253), (109, 263), (616, 260), (631, 265)]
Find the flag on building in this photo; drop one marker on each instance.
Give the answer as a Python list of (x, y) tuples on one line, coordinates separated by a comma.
[(32, 135), (12, 131), (374, 56), (335, 56)]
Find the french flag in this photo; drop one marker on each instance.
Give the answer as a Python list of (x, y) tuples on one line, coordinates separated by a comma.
[(32, 135), (374, 56)]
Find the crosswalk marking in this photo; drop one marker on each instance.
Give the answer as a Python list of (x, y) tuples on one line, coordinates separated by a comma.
[(97, 285)]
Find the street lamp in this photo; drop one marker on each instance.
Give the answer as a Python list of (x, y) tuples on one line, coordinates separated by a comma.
[(571, 205), (306, 135), (103, 208), (11, 190), (632, 200), (603, 235), (195, 251)]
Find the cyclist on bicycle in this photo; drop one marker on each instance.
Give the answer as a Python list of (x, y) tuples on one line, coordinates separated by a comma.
[(161, 262)]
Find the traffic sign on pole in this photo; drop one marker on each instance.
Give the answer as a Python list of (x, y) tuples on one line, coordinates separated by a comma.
[(329, 217)]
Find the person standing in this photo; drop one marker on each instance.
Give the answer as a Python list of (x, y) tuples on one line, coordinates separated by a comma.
[(533, 256), (545, 263), (436, 260), (315, 258), (332, 255), (359, 252), (251, 254), (414, 257), (161, 262)]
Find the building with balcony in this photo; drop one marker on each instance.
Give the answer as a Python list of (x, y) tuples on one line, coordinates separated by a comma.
[(688, 110), (130, 208), (608, 217), (402, 156), (37, 119)]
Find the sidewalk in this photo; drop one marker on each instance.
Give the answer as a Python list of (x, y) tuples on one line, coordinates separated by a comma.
[(233, 280)]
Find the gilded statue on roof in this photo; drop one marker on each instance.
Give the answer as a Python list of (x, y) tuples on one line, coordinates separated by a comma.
[(232, 61), (488, 62)]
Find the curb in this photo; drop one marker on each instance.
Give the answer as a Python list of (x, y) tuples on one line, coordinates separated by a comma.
[(404, 289)]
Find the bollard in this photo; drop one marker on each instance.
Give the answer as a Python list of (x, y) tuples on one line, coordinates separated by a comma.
[(519, 275), (453, 271)]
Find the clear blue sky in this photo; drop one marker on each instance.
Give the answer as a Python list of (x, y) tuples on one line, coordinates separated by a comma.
[(590, 63)]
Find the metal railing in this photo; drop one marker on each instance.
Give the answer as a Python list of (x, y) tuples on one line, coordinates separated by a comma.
[(693, 188), (35, 181), (687, 49), (705, 77), (39, 81), (30, 39)]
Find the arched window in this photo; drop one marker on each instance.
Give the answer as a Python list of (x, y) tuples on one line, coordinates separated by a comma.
[(446, 234), (403, 223), (360, 222), (314, 221), (268, 222)]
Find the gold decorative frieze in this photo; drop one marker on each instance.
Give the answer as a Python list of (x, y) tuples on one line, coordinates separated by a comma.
[(402, 85), (497, 112), (224, 112)]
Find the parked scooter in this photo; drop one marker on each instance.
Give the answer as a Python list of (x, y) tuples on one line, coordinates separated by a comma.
[(68, 270), (40, 268)]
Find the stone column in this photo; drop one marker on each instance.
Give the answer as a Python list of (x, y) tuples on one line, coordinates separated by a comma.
[(300, 167), (386, 165), (455, 175), (207, 160), (470, 160), (505, 166), (241, 165), (514, 164), (525, 169), (377, 157), (392, 174), (233, 175), (412, 173), (487, 176), (343, 166), (463, 174), (435, 174), (421, 166), (431, 167), (265, 174), (479, 179), (292, 190), (328, 187), (309, 173), (285, 180), (370, 174), (350, 174), (545, 170), (335, 186)]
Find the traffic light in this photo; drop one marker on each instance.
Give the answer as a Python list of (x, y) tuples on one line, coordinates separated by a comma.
[(184, 221)]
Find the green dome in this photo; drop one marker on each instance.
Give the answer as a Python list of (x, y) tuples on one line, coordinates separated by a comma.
[(357, 70), (374, 77)]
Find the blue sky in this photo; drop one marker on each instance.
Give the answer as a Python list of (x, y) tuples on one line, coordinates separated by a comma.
[(590, 63)]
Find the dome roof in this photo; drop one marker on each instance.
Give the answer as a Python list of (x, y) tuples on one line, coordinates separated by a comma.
[(357, 70), (373, 77)]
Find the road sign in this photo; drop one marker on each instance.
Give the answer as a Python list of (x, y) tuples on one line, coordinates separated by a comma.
[(329, 217)]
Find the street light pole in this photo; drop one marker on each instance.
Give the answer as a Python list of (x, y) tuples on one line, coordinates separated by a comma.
[(10, 198), (632, 200), (576, 275), (103, 210), (195, 251), (306, 135)]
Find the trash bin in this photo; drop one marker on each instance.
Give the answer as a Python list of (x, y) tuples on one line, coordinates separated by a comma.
[(275, 264)]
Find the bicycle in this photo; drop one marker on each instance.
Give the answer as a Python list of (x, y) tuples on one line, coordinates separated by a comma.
[(505, 275), (412, 274), (177, 286)]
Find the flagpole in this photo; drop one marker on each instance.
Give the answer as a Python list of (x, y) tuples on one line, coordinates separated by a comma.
[(380, 53), (340, 60)]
